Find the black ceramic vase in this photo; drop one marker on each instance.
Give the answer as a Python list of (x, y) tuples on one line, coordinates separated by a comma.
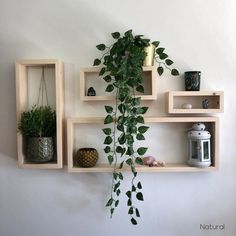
[(192, 80)]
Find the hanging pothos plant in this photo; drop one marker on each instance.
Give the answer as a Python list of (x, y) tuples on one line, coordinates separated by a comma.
[(122, 70)]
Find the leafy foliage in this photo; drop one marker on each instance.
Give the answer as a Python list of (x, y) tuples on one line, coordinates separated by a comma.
[(38, 122), (163, 60), (122, 71)]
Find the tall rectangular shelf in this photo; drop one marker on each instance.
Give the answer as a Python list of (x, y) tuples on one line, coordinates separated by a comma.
[(176, 99), (27, 80), (212, 124), (89, 78)]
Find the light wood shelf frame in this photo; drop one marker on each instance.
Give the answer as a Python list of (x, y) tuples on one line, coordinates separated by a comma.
[(21, 67), (179, 167), (176, 98), (95, 69)]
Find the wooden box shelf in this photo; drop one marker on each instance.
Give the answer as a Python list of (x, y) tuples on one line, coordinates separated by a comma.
[(89, 77), (210, 122), (177, 98), (28, 76)]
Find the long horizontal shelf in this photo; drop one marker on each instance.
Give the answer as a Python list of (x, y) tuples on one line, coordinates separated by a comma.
[(170, 167), (176, 100), (92, 73), (144, 169)]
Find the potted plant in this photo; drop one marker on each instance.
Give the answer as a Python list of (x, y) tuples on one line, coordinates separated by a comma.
[(38, 127), (122, 70)]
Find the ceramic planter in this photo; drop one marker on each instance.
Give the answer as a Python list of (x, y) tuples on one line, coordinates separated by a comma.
[(40, 149), (192, 80)]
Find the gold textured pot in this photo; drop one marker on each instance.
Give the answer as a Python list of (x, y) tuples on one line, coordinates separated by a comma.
[(149, 59), (86, 157)]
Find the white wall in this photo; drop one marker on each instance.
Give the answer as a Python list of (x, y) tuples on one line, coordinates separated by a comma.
[(199, 35)]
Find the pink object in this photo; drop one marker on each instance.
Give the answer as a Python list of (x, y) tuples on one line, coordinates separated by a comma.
[(151, 161)]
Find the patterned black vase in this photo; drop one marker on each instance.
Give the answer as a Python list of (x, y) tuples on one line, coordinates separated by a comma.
[(192, 80), (40, 149)]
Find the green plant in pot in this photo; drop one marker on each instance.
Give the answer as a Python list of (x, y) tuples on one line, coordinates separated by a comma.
[(122, 70), (38, 127)]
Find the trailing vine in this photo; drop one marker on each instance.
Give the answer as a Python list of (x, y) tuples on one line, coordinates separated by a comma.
[(122, 70)]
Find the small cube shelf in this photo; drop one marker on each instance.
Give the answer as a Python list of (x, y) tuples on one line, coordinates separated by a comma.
[(28, 76), (176, 99), (211, 124), (89, 77)]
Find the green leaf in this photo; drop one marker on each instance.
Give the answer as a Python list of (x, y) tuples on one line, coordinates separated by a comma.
[(163, 56), (110, 159), (121, 108), (139, 185), (107, 78), (140, 137), (116, 203), (144, 110), (140, 89), (119, 149), (131, 211), (174, 72), (115, 35), (133, 221), (102, 71), (109, 109), (108, 140), (142, 150), (109, 88), (112, 211), (137, 212), (129, 161), (121, 165), (160, 50), (156, 43), (118, 192), (142, 129), (128, 193), (115, 175), (109, 203), (117, 185), (133, 188), (129, 202), (107, 149), (108, 119), (139, 160), (107, 131), (136, 101), (120, 127), (101, 47), (129, 152), (160, 70), (169, 62), (122, 139), (121, 176), (97, 62), (139, 196), (140, 119), (128, 33)]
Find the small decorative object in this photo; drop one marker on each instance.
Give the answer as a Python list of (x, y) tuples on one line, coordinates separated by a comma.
[(199, 146), (91, 92), (151, 161), (205, 103), (192, 80), (150, 54), (86, 157), (187, 106)]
